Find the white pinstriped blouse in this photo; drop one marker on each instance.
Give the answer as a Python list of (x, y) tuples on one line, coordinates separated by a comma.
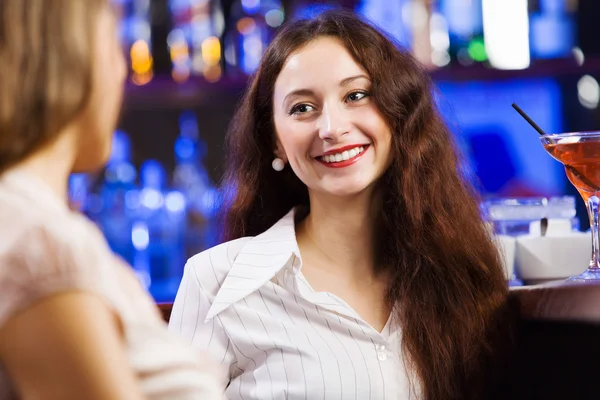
[(247, 304)]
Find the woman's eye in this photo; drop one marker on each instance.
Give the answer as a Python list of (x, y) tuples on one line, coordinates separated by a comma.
[(356, 96), (301, 109)]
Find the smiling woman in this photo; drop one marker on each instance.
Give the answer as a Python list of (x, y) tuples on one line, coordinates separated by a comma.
[(357, 266), (322, 114)]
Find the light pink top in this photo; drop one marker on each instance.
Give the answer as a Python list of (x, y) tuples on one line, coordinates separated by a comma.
[(46, 248)]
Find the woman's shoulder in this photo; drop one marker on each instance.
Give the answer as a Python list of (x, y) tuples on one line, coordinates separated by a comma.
[(35, 234), (210, 267), (269, 249), (45, 255), (27, 222)]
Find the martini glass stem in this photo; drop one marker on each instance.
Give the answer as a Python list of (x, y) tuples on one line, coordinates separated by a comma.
[(593, 204)]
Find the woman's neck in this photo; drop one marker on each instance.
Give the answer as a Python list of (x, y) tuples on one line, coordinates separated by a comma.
[(52, 164), (340, 232)]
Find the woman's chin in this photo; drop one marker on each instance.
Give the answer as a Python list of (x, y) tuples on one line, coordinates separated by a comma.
[(347, 190)]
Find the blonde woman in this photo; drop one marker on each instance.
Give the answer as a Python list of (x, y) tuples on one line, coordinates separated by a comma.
[(74, 322)]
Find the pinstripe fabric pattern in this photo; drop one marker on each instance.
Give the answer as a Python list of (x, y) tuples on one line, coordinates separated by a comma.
[(247, 304)]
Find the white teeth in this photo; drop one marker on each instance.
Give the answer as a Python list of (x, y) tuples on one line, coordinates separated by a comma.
[(343, 156)]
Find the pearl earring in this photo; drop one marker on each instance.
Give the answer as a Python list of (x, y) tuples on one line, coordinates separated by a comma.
[(278, 164)]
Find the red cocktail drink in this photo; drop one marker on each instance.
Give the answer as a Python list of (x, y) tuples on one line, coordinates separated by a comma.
[(580, 154)]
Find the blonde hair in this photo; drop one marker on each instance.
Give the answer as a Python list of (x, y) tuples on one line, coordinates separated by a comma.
[(46, 49)]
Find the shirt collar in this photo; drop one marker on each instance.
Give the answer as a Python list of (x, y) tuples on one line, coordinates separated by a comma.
[(261, 258)]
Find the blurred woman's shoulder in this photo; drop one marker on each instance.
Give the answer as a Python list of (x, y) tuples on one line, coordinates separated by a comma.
[(46, 248)]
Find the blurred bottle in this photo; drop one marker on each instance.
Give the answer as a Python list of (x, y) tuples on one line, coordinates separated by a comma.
[(461, 32), (162, 216), (194, 42), (140, 238), (192, 180), (137, 37), (251, 26), (552, 29), (113, 208)]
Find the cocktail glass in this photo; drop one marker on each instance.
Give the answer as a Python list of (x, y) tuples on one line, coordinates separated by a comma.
[(580, 154)]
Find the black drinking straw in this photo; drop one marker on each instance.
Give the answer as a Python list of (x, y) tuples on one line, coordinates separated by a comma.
[(528, 119), (541, 132)]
